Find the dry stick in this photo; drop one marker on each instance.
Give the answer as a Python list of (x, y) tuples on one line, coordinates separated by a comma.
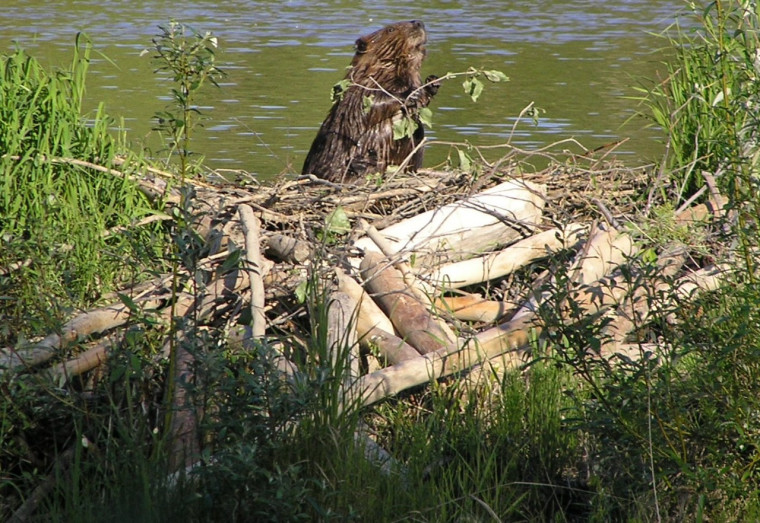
[(341, 336), (382, 195), (256, 269), (153, 189), (251, 227), (410, 317), (92, 322), (289, 249), (158, 217), (508, 340)]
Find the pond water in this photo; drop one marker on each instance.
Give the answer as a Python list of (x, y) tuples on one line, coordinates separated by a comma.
[(576, 60)]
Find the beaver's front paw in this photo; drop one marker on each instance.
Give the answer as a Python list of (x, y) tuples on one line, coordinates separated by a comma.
[(432, 85)]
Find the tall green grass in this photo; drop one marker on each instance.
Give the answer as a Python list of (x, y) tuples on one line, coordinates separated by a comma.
[(53, 214), (707, 104)]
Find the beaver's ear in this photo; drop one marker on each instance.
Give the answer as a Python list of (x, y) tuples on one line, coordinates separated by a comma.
[(361, 45)]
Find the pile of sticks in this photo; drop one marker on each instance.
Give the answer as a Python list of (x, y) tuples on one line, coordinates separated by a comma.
[(409, 284)]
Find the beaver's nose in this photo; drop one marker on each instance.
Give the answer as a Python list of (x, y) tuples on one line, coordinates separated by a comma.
[(418, 23)]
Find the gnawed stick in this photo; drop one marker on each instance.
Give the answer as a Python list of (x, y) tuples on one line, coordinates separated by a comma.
[(341, 336), (86, 324), (251, 227), (504, 262), (651, 292), (472, 307), (603, 252), (86, 361), (498, 215), (373, 328), (409, 316), (288, 249), (509, 341), (369, 315), (418, 287), (62, 463), (415, 286), (389, 346)]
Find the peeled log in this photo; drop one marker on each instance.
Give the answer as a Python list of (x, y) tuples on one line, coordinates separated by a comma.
[(341, 335), (369, 315), (472, 307), (409, 316), (506, 261), (496, 216), (92, 322), (391, 347)]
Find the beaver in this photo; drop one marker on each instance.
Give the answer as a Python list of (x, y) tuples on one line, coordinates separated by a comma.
[(384, 85)]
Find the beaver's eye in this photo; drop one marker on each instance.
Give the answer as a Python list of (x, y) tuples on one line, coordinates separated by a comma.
[(391, 29)]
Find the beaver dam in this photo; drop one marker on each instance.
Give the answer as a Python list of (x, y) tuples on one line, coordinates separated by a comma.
[(422, 277)]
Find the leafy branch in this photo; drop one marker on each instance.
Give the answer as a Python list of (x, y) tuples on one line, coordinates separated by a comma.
[(190, 60)]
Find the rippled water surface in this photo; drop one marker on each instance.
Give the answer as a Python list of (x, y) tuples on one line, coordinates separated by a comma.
[(576, 60)]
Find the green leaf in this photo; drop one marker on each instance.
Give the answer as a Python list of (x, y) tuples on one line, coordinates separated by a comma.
[(337, 222), (129, 303), (367, 102), (495, 76), (301, 291), (465, 162), (231, 262), (426, 117), (473, 88), (339, 90), (404, 128)]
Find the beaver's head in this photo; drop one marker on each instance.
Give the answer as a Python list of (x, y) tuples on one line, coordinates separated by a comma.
[(398, 49)]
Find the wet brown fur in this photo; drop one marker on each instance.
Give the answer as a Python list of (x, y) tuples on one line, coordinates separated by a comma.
[(352, 141)]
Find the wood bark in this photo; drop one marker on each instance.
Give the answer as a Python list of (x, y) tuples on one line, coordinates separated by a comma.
[(409, 316), (288, 249)]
